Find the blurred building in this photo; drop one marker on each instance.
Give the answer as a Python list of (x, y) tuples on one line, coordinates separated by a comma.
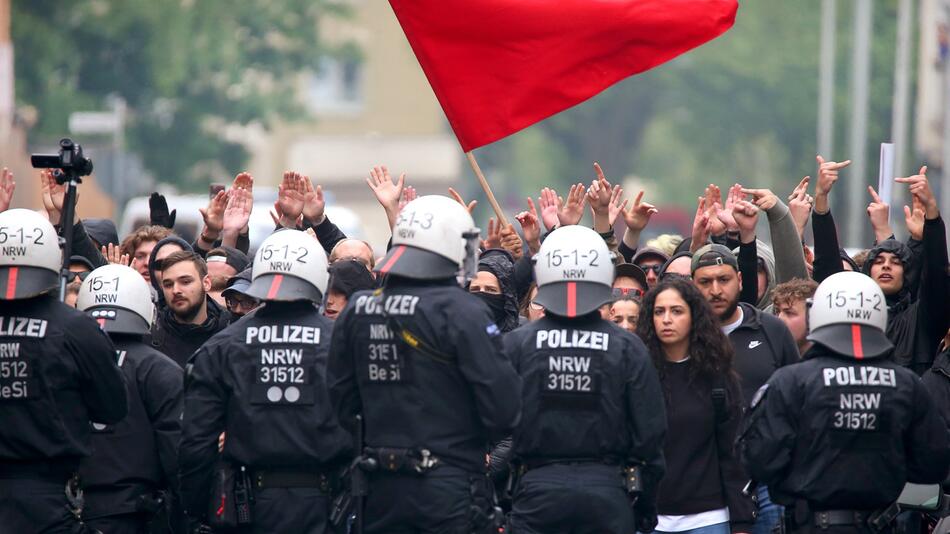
[(373, 106)]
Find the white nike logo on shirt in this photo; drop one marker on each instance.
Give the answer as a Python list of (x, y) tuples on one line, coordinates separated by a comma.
[(754, 344)]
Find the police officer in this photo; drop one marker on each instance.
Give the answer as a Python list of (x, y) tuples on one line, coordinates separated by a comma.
[(839, 434), (262, 381), (419, 360), (593, 415), (57, 372), (132, 474)]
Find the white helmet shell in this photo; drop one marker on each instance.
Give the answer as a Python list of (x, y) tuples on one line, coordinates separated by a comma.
[(848, 314), (574, 270), (118, 298), (290, 265), (30, 257), (432, 239)]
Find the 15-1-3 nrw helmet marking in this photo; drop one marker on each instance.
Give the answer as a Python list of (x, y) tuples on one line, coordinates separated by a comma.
[(574, 270), (848, 314), (30, 257), (118, 298), (290, 265), (431, 240)]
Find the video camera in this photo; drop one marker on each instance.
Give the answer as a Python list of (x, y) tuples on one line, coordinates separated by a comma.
[(70, 160)]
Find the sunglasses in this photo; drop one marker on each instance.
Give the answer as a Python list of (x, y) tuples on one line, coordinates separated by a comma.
[(627, 292), (80, 275), (235, 301), (655, 268)]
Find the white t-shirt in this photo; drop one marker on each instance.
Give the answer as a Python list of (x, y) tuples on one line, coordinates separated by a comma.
[(728, 328), (681, 523)]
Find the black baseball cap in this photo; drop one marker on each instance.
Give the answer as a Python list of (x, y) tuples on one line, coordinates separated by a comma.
[(632, 271), (711, 255)]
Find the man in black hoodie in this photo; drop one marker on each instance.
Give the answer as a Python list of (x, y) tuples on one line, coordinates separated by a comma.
[(190, 316)]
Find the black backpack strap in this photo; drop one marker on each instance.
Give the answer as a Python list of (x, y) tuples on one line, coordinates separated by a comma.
[(719, 398)]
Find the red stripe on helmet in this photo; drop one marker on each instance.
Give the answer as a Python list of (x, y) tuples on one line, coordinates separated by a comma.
[(102, 322), (392, 259), (274, 286), (856, 344), (572, 299), (11, 282)]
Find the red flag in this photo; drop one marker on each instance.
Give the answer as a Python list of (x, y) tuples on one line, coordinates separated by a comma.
[(498, 66)]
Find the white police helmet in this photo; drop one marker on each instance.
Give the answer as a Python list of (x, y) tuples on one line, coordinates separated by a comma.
[(434, 237), (118, 298), (574, 270), (848, 314), (290, 265), (30, 257)]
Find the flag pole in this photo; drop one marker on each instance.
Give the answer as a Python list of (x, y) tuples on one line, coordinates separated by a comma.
[(487, 188)]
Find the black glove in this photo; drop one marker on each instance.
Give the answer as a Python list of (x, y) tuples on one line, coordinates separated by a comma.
[(645, 516), (158, 211)]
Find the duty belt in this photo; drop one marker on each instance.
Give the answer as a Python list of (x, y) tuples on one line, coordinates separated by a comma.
[(534, 463), (833, 518), (417, 461), (269, 478)]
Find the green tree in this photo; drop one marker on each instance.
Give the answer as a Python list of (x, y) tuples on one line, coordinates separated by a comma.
[(187, 69)]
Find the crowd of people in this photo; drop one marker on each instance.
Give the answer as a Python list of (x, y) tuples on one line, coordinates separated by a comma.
[(259, 384)]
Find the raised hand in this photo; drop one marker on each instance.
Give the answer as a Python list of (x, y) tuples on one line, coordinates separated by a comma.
[(713, 203), (700, 232), (764, 199), (530, 227), (914, 218), (386, 190), (638, 216), (493, 239), (827, 176), (570, 212), (747, 215), (920, 188), (290, 196), (458, 198), (408, 195), (800, 204), (725, 214), (511, 241), (7, 186), (878, 212), (237, 213), (113, 254), (314, 205), (549, 208), (213, 213), (243, 181)]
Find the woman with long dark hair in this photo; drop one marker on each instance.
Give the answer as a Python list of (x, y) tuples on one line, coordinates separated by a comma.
[(701, 492)]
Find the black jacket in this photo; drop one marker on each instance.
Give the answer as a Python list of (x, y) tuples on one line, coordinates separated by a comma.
[(589, 391), (58, 360), (916, 325), (937, 382), (139, 455), (263, 382), (703, 471), (762, 344), (454, 404), (842, 433), (179, 341)]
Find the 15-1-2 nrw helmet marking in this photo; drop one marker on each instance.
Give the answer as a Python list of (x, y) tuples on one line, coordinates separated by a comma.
[(574, 270), (30, 257), (290, 265), (848, 314)]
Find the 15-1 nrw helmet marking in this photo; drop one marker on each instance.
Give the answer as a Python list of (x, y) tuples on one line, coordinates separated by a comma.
[(848, 314), (289, 265), (574, 270), (118, 298), (30, 257)]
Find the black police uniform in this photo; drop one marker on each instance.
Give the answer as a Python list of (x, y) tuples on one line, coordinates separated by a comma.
[(262, 381), (430, 412), (134, 466), (842, 436), (592, 406), (57, 372)]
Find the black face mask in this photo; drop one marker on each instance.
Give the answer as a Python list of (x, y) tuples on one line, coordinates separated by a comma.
[(497, 305)]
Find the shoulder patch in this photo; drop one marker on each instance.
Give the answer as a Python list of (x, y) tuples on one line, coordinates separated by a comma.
[(759, 395)]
